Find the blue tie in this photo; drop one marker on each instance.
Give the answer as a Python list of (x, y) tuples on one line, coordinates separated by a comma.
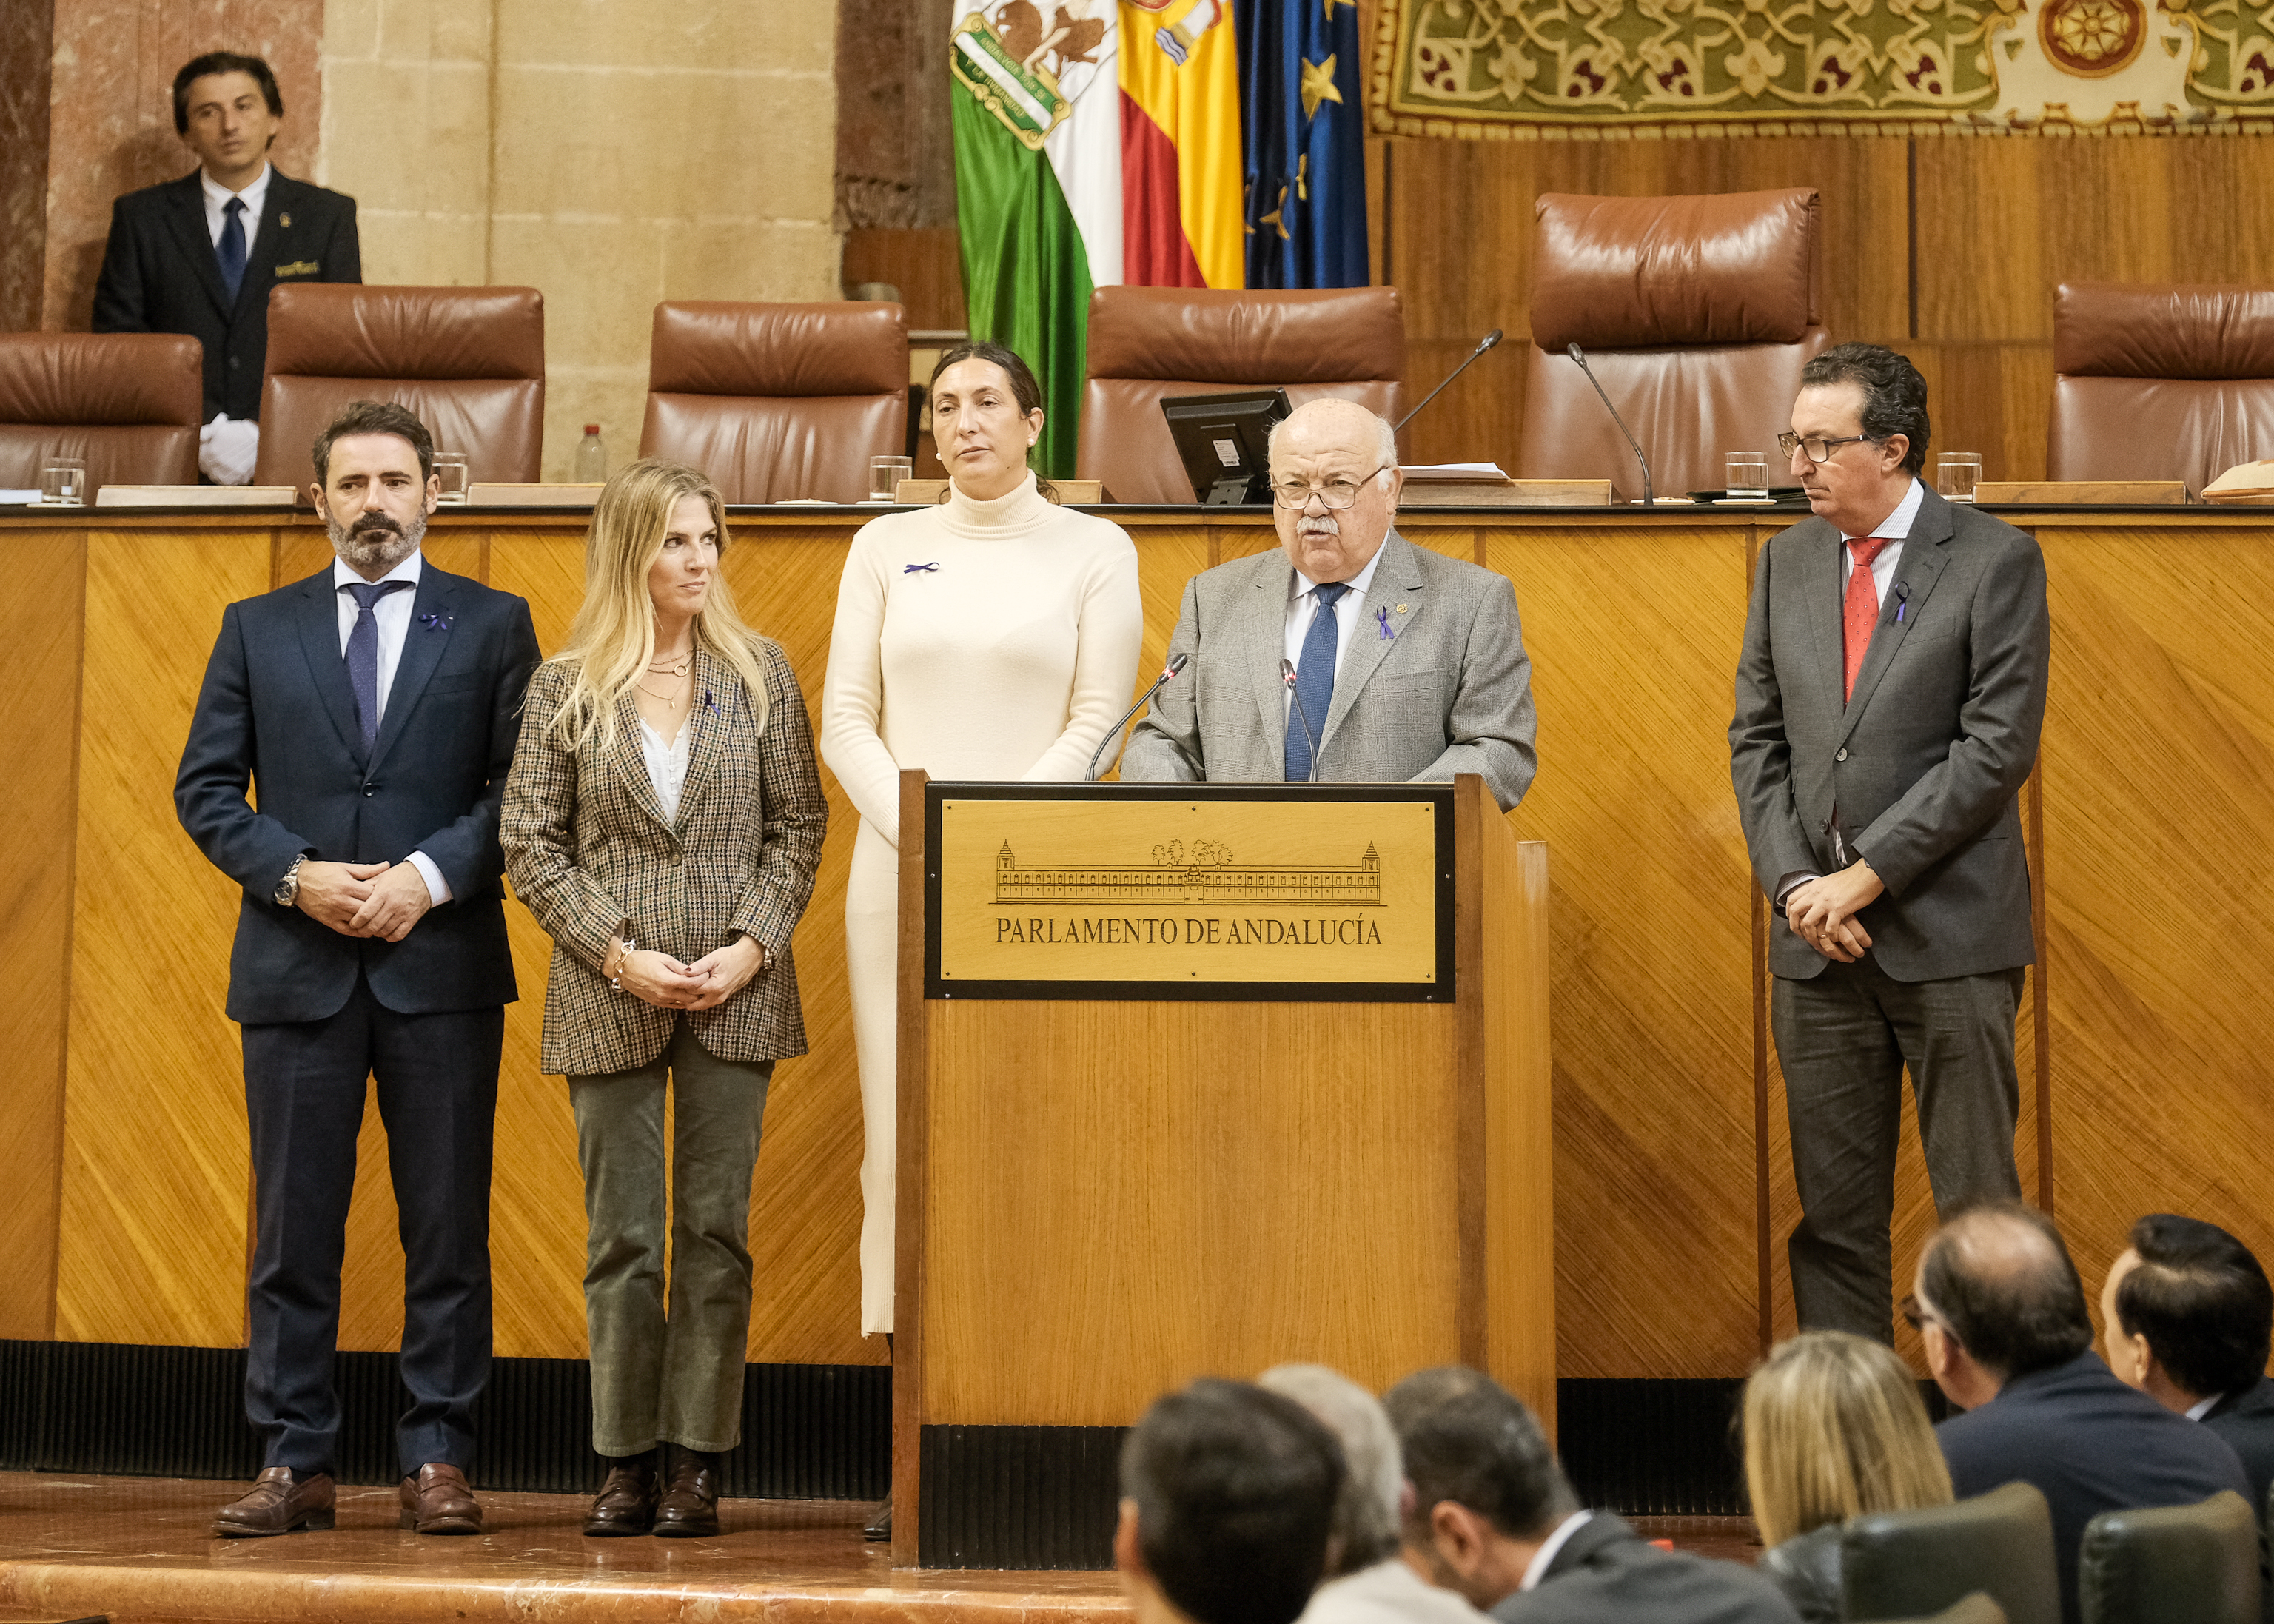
[(362, 653), (231, 246), (1314, 683)]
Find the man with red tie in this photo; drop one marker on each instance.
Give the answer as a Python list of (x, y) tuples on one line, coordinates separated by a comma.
[(1889, 697)]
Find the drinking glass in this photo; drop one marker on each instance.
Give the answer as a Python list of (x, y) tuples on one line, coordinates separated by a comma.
[(62, 482), (884, 476), (1956, 473), (1747, 473), (453, 475)]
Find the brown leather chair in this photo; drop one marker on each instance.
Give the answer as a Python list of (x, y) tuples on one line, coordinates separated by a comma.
[(1696, 313), (128, 404), (778, 402), (468, 361), (2160, 382), (1148, 342)]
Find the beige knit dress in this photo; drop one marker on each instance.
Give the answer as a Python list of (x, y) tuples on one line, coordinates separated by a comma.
[(979, 641)]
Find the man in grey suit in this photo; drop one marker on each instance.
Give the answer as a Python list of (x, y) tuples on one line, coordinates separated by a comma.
[(1888, 702), (1350, 654)]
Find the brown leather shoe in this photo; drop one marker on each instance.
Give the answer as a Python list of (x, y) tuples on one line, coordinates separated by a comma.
[(278, 1503), (690, 1506), (438, 1501), (627, 1499)]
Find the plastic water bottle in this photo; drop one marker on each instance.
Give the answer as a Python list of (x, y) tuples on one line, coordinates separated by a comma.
[(591, 457)]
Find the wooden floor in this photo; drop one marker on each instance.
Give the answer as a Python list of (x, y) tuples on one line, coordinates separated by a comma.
[(138, 1548)]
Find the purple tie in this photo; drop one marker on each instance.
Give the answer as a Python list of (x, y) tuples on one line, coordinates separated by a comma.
[(363, 652)]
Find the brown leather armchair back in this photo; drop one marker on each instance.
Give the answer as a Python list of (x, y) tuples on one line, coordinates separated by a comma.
[(2160, 382), (469, 361), (1697, 314), (128, 404), (778, 402), (1148, 342)]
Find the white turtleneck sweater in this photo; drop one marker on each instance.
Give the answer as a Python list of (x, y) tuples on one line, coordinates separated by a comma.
[(975, 639)]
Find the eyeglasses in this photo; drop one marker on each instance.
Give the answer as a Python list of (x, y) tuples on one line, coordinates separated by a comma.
[(1335, 494), (1818, 449), (1915, 1312)]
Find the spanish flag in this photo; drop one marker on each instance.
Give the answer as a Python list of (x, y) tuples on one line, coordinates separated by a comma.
[(1180, 180)]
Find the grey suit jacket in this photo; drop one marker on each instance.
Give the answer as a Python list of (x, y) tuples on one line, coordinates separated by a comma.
[(1437, 685), (1923, 764), (1608, 1574)]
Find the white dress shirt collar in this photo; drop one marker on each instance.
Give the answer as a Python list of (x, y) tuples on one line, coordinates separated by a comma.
[(1299, 583), (218, 197), (2197, 1410), (408, 570), (1897, 525), (1550, 1546)]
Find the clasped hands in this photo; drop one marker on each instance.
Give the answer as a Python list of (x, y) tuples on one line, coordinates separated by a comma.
[(364, 900), (661, 980), (1822, 911)]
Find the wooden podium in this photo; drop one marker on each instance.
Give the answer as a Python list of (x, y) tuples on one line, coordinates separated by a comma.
[(1198, 1079)]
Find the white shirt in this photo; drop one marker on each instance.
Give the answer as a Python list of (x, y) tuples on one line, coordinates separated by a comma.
[(666, 765), (218, 197), (1894, 529), (2197, 1410), (1389, 1592), (1303, 608), (1550, 1546), (392, 616)]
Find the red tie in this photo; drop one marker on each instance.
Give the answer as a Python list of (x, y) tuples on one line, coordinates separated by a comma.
[(1861, 612)]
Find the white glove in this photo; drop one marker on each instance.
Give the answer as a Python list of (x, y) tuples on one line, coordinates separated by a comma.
[(226, 449)]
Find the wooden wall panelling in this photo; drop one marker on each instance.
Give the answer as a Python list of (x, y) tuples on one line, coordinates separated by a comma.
[(152, 1246), (925, 264), (42, 619), (1652, 952), (2157, 767), (1995, 399)]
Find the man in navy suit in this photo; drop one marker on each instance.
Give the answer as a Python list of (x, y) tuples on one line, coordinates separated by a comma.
[(373, 710), (2001, 1314), (198, 255)]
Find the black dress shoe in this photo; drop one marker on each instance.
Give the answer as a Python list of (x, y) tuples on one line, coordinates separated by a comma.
[(880, 1526), (627, 1499), (690, 1506)]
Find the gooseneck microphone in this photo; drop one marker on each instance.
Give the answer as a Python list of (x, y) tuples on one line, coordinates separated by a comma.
[(1144, 699), (1490, 339), (1287, 675), (1649, 498)]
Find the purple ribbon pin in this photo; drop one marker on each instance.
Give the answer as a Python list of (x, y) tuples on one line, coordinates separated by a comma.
[(434, 622), (910, 569), (1382, 620), (709, 702)]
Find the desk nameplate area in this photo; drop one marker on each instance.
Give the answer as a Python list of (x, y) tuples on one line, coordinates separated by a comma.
[(1262, 893)]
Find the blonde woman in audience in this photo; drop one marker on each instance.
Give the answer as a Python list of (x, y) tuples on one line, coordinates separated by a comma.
[(1834, 1428), (663, 821)]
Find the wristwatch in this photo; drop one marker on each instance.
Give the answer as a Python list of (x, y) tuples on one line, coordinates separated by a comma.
[(287, 889)]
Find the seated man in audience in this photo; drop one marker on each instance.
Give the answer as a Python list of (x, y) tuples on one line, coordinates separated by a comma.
[(1227, 1505), (1368, 1581), (2189, 1316), (198, 255), (2001, 1312), (1383, 661), (1492, 1517)]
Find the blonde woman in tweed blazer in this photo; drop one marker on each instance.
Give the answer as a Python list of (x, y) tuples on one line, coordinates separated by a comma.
[(662, 821)]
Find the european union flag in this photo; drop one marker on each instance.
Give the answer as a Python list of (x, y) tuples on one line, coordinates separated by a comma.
[(1300, 118)]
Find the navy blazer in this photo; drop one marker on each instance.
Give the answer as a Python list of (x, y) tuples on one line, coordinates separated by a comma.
[(2245, 1418), (276, 711), (1607, 1571), (160, 275), (2090, 1444)]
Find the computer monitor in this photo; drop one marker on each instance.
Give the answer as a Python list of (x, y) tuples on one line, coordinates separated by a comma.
[(1221, 439)]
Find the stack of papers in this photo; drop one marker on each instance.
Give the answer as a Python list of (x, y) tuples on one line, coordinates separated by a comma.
[(1460, 473), (2248, 483)]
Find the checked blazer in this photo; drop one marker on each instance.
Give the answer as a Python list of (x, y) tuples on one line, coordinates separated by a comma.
[(587, 849)]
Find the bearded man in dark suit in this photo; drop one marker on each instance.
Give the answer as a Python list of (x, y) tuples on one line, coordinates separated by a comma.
[(198, 255)]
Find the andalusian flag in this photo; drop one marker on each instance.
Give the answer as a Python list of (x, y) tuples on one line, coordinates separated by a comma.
[(1037, 108), (1180, 144), (1306, 149)]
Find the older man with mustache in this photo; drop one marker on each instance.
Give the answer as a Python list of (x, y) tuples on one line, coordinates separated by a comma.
[(1349, 654), (372, 707)]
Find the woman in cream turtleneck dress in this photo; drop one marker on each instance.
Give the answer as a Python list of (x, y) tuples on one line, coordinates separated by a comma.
[(993, 637)]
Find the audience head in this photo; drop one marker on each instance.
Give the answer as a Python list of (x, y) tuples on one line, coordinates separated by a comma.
[(1834, 1428), (227, 110), (1366, 1513), (986, 416), (2188, 1312), (1997, 1298), (1869, 405), (1227, 1503), (1488, 1490), (375, 484), (1335, 482)]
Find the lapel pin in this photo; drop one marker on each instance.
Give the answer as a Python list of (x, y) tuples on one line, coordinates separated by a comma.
[(1401, 608), (709, 702), (1382, 620), (284, 220), (911, 569), (435, 622)]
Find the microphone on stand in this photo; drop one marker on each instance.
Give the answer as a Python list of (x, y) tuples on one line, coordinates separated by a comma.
[(1649, 499), (1144, 699), (1287, 675), (1490, 339)]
